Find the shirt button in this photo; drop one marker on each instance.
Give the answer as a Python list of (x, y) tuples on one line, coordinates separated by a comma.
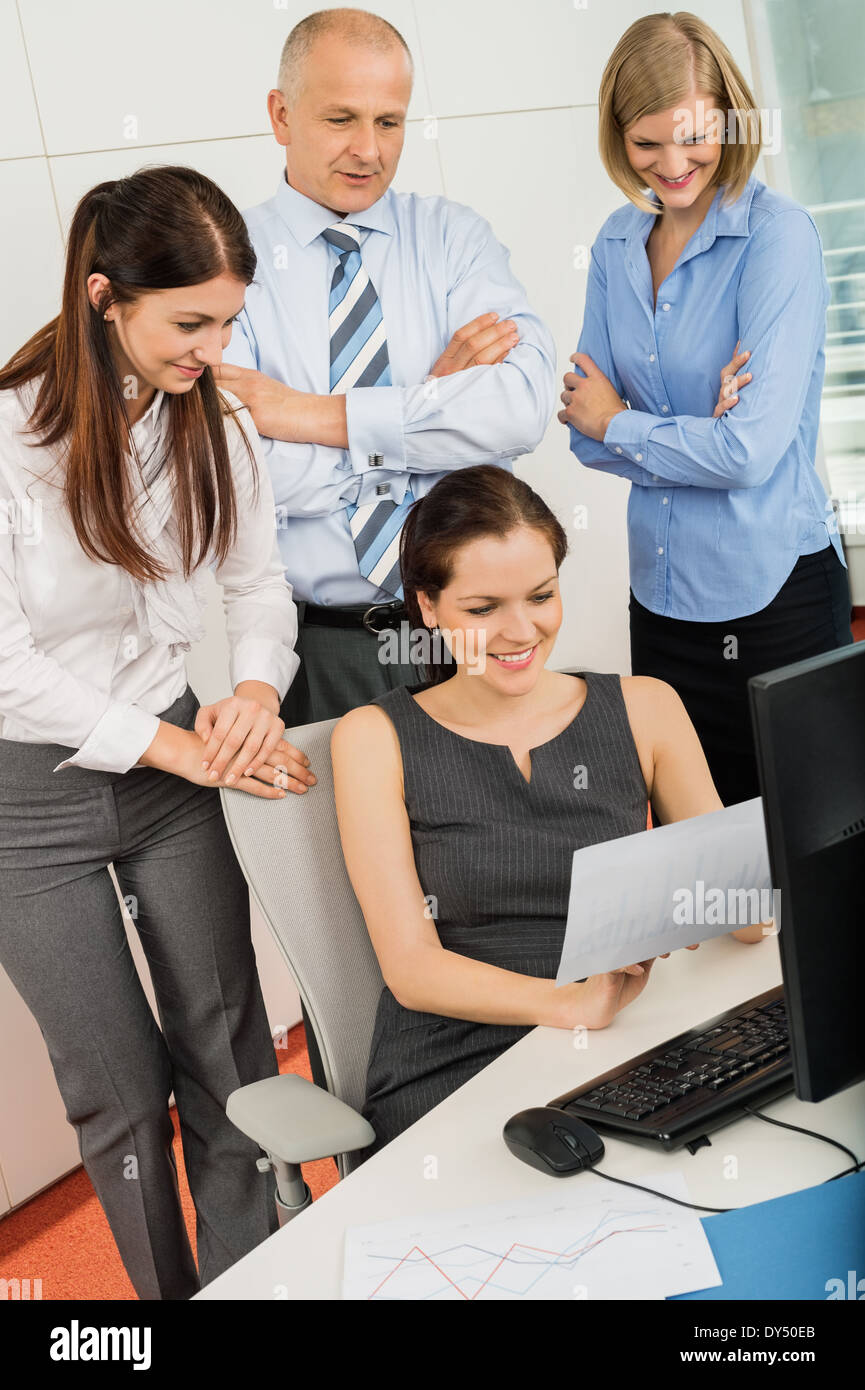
[(660, 550), (382, 489), (651, 357), (665, 500), (665, 410), (618, 448), (639, 458), (665, 308)]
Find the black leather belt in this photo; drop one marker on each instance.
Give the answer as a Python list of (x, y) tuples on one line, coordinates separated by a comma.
[(375, 618)]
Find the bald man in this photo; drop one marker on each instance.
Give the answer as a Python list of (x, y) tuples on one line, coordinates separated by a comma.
[(384, 343)]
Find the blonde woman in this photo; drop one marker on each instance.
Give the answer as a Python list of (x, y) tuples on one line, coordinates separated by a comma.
[(736, 566)]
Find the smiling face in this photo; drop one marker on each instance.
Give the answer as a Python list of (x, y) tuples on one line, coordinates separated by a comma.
[(344, 135), (676, 152), (166, 338), (504, 597)]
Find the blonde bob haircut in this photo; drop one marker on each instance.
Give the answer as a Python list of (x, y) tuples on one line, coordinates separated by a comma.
[(654, 66)]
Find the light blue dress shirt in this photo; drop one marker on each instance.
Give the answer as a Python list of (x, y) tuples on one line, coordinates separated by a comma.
[(720, 509), (435, 265)]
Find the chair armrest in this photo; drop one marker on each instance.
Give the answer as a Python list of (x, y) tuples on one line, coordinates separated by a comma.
[(296, 1121)]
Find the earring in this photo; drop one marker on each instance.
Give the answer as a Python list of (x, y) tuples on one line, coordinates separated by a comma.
[(436, 632)]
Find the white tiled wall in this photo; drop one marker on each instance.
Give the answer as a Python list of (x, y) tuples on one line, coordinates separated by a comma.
[(19, 123), (108, 74)]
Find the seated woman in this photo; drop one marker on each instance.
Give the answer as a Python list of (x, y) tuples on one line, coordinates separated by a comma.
[(461, 800)]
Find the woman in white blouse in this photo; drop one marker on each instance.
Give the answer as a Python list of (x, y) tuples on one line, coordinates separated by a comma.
[(123, 471)]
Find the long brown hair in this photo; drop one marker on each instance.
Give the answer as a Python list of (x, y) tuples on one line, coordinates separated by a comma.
[(163, 227), (464, 506)]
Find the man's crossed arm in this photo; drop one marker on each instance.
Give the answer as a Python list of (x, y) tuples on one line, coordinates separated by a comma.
[(302, 417)]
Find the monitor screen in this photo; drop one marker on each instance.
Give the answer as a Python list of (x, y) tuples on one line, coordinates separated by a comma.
[(809, 732)]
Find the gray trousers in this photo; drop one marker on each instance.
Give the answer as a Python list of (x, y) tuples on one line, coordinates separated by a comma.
[(63, 944), (341, 668)]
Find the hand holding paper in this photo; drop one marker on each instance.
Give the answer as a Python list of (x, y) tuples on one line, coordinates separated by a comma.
[(660, 890)]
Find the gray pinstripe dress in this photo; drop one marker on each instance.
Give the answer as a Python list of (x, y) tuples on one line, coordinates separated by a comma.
[(495, 853)]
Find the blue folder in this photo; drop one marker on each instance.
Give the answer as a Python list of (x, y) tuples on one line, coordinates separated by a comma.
[(809, 1244)]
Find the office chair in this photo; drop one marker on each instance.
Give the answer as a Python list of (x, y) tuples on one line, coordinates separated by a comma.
[(291, 856)]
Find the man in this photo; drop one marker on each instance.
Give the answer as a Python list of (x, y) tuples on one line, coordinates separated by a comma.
[(383, 343)]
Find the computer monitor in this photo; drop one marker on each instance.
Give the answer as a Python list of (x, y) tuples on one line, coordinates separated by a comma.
[(809, 731)]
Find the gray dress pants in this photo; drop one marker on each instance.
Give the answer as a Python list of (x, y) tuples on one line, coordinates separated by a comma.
[(63, 944), (341, 668)]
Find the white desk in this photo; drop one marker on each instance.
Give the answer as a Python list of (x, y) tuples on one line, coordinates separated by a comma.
[(462, 1136)]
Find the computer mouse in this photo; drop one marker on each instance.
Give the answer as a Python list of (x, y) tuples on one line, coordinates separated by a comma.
[(553, 1141)]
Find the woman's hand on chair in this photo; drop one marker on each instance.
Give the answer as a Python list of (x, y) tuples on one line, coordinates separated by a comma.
[(238, 733), (286, 769), (239, 744)]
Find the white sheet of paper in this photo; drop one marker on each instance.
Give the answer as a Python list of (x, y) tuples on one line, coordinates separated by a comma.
[(663, 889), (578, 1242)]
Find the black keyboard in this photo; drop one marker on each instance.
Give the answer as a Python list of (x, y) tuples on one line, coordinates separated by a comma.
[(696, 1082)]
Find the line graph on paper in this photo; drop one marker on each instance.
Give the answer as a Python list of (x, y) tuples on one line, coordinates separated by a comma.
[(593, 1246)]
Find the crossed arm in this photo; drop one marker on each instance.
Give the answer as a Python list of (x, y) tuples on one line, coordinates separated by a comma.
[(302, 417), (485, 394), (781, 304)]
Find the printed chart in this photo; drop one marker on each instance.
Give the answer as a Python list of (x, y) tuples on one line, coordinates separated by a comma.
[(612, 1244)]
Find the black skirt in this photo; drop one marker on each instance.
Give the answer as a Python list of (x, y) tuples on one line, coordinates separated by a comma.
[(709, 664)]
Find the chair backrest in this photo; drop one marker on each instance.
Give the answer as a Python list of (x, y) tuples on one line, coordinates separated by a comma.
[(291, 857)]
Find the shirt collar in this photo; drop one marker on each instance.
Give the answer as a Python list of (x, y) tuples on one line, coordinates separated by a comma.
[(734, 219), (150, 418), (731, 220), (306, 219), (147, 436)]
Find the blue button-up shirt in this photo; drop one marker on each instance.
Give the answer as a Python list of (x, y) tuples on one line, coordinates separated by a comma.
[(720, 509), (435, 266)]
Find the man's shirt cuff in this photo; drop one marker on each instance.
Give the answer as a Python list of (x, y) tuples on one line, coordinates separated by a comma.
[(374, 423)]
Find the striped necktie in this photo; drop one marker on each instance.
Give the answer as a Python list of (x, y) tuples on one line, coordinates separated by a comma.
[(359, 357)]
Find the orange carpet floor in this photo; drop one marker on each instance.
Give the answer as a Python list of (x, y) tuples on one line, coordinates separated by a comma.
[(63, 1238)]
